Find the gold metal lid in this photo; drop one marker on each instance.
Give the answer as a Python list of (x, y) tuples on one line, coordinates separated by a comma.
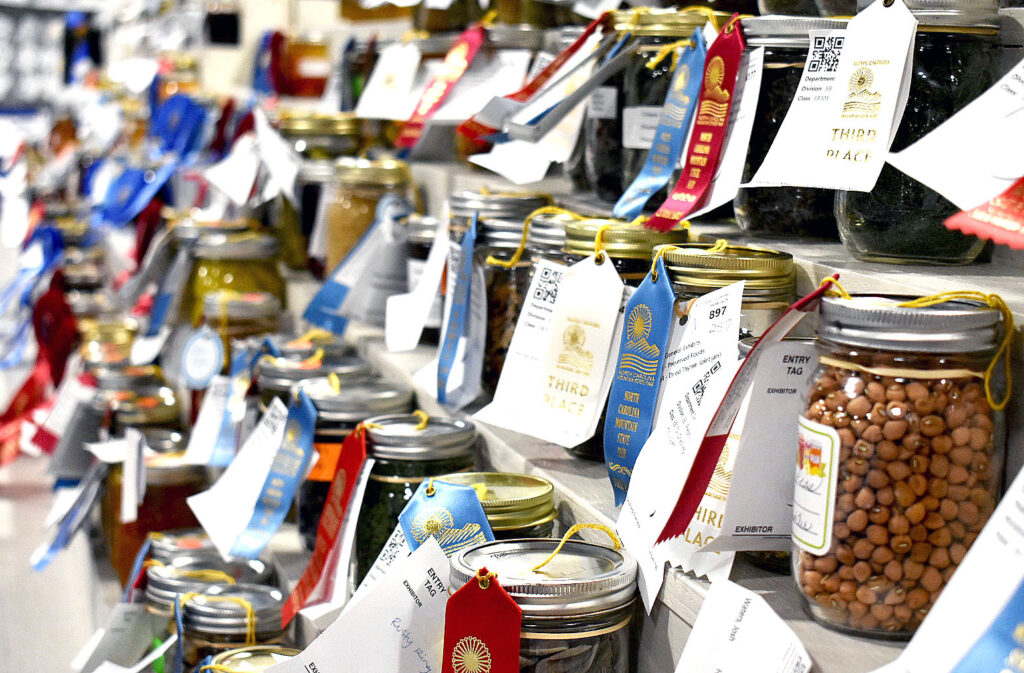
[(760, 268), (510, 500), (311, 123), (110, 330), (253, 659), (667, 23), (153, 406), (376, 173), (623, 240)]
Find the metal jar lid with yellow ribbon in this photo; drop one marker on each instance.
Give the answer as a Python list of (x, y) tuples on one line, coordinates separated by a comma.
[(415, 438), (107, 340), (170, 544), (511, 207), (699, 268), (510, 501), (131, 377), (188, 229), (253, 659), (621, 239), (195, 572), (243, 246), (231, 305), (165, 461), (235, 611), (355, 402), (666, 22)]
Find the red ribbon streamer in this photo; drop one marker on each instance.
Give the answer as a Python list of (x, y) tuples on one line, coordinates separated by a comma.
[(1001, 219), (481, 624)]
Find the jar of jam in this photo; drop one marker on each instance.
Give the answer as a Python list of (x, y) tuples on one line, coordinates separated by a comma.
[(338, 412), (792, 211), (420, 231), (194, 573), (577, 611), (226, 617), (275, 377), (905, 440), (769, 279), (107, 340), (307, 64), (406, 451), (956, 55), (166, 545), (516, 505), (235, 315), (254, 659)]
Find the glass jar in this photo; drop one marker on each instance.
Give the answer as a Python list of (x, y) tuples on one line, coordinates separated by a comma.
[(338, 412), (302, 346), (276, 376), (546, 237), (956, 55), (404, 456), (792, 211), (91, 305), (239, 316), (787, 8), (516, 505), (898, 411), (769, 279), (216, 620), (420, 231), (530, 12), (143, 408), (357, 186), (106, 340), (182, 77), (456, 17), (577, 612), (195, 572), (307, 64), (255, 659), (836, 7), (243, 263), (322, 135), (166, 545)]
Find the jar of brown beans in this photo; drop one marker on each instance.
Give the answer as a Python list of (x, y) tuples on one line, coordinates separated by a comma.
[(900, 456)]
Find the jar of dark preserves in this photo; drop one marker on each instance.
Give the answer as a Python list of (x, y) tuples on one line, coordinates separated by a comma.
[(795, 211), (956, 55)]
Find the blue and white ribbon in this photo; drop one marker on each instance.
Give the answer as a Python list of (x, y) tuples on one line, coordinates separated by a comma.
[(459, 312), (450, 513)]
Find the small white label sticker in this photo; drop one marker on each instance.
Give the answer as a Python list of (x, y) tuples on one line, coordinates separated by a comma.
[(202, 358), (814, 488), (639, 124), (603, 103)]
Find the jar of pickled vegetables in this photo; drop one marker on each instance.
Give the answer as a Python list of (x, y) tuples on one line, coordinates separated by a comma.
[(406, 451), (516, 505)]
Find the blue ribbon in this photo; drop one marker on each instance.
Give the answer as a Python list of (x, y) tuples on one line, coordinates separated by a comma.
[(22, 288), (286, 472), (450, 513), (634, 392), (457, 316), (240, 373), (133, 575), (77, 515), (1002, 643), (130, 192), (178, 126), (261, 83), (673, 125), (179, 662)]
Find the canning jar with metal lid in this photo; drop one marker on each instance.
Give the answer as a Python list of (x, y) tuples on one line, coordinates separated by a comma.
[(228, 616), (338, 412), (769, 279), (356, 187), (516, 505), (900, 455), (86, 276), (166, 545), (956, 54), (406, 451), (546, 236), (526, 12), (195, 572), (254, 659), (577, 612), (322, 135), (245, 262), (132, 377), (107, 340), (420, 231), (302, 346), (628, 245), (307, 64), (276, 376), (91, 304), (796, 211), (146, 407), (237, 315)]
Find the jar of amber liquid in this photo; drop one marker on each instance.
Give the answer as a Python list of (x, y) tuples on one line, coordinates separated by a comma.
[(307, 64)]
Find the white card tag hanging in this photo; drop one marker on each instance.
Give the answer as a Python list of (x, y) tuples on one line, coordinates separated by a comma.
[(814, 486), (759, 515), (144, 664), (639, 123), (395, 549), (591, 9), (317, 248), (71, 394), (110, 451), (278, 156), (699, 364), (950, 159), (407, 314), (235, 174), (398, 625), (124, 640), (202, 358), (389, 88), (489, 75), (737, 631), (203, 437), (439, 4), (131, 469), (146, 349), (841, 142)]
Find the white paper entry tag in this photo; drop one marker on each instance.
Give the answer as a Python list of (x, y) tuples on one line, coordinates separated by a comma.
[(603, 103), (814, 487), (235, 174), (398, 625), (407, 314), (126, 637), (203, 437), (395, 549), (145, 349), (737, 631), (389, 88), (132, 469), (951, 159), (591, 9), (144, 664), (639, 124), (488, 76), (759, 513)]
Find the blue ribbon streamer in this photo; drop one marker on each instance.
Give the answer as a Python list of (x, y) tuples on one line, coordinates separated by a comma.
[(451, 514), (673, 125), (634, 392), (1002, 643), (130, 192), (179, 662), (133, 574), (178, 126), (240, 374), (457, 316)]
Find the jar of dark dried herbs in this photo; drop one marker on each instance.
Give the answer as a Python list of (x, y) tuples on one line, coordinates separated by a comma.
[(577, 611), (516, 505), (166, 545), (196, 572), (338, 411), (956, 55), (406, 451), (275, 377), (229, 616), (254, 659), (790, 211), (769, 279)]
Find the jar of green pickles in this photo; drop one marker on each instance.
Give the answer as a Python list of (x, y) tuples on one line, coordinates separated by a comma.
[(338, 411), (226, 617), (406, 450), (516, 505)]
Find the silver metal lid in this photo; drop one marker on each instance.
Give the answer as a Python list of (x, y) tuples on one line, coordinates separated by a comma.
[(877, 321), (950, 13), (515, 36), (355, 402), (398, 438), (235, 306), (84, 303), (205, 614), (236, 246), (582, 578), (170, 544), (507, 205), (316, 170), (295, 346), (547, 233), (131, 377), (500, 233), (785, 31), (180, 576), (420, 229)]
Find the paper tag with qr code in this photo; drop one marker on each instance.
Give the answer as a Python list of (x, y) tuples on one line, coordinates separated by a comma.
[(848, 104)]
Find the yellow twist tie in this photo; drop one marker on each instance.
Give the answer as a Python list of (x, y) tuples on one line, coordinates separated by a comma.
[(424, 419), (226, 296), (1002, 352), (663, 53), (734, 21), (518, 254), (250, 612), (572, 531), (489, 19), (635, 14), (484, 580), (317, 333), (410, 35), (153, 563), (335, 382), (481, 491), (838, 291), (721, 245), (599, 243), (206, 575), (658, 255), (708, 13)]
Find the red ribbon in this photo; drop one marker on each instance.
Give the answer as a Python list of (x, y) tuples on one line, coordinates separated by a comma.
[(1001, 219), (456, 62), (481, 624), (713, 109)]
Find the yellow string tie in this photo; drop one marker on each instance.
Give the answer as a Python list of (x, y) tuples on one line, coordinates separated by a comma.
[(430, 490), (572, 531), (721, 245), (838, 290), (206, 575), (518, 254), (489, 19), (250, 612), (709, 14), (481, 491), (410, 35), (663, 53), (599, 243), (153, 563), (734, 21), (484, 579), (317, 333), (335, 382), (638, 221), (658, 254), (424, 419), (1002, 352)]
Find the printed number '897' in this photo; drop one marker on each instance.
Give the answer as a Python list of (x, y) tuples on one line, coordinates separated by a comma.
[(716, 313)]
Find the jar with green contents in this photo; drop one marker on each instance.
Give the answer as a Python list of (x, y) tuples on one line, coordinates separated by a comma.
[(235, 315), (226, 617), (338, 411), (322, 135), (516, 505), (275, 377), (956, 55), (246, 262), (406, 450), (254, 659)]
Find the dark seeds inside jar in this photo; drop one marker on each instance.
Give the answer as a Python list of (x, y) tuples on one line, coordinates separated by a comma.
[(601, 654)]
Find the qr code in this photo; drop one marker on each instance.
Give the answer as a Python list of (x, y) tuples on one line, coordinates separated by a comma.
[(825, 54), (546, 287), (701, 385)]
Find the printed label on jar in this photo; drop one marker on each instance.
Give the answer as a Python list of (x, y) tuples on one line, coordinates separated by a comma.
[(603, 103), (814, 488), (639, 125)]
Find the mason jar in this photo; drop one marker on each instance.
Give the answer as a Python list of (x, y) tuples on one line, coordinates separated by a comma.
[(106, 340), (769, 279), (166, 545), (338, 412), (577, 611), (144, 408), (456, 17), (195, 572), (91, 305), (216, 620), (420, 231), (235, 315), (516, 505), (307, 64), (786, 211), (405, 454), (956, 56), (322, 135), (546, 237), (254, 659), (899, 427), (275, 377)]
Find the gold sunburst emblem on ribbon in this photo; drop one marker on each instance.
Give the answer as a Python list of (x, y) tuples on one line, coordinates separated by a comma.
[(431, 522), (470, 655)]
